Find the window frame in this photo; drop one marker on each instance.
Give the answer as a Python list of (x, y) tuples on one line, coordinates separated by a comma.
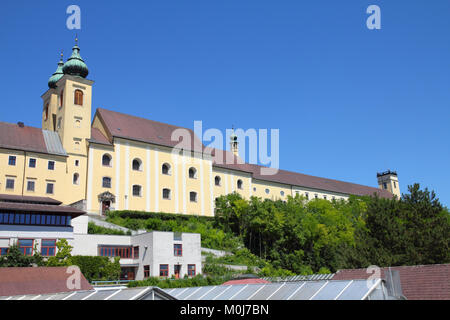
[(34, 161), (28, 185), (133, 189), (52, 184), (177, 251), (109, 165), (169, 197), (48, 248), (169, 169), (103, 182), (190, 196), (13, 184), (240, 184), (77, 98), (146, 271), (139, 161), (217, 181), (24, 248), (194, 173), (12, 160), (164, 272), (52, 166), (77, 181), (189, 270)]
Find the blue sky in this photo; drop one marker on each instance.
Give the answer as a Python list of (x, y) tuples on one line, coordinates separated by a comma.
[(348, 101)]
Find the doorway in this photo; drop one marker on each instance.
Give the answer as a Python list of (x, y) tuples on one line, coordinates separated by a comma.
[(105, 207), (177, 271)]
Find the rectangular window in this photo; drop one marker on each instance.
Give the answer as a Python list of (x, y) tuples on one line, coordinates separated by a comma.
[(12, 160), (32, 163), (307, 195), (136, 253), (112, 251), (191, 270), (26, 246), (51, 165), (146, 272), (50, 187), (4, 251), (10, 184), (30, 185), (163, 270), (177, 250), (48, 248)]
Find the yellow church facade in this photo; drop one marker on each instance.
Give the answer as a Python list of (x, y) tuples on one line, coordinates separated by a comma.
[(117, 161)]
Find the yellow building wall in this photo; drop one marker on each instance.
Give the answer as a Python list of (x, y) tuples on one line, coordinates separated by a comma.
[(41, 175), (150, 178), (277, 191)]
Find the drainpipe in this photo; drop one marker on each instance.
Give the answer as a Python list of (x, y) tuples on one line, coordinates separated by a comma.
[(24, 166)]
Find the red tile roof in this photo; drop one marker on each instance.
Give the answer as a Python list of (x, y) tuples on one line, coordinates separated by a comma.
[(140, 129), (423, 282), (39, 208), (98, 137), (122, 125), (28, 199), (27, 138), (41, 280), (245, 281)]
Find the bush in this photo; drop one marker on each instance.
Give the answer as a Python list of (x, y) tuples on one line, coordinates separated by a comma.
[(97, 268)]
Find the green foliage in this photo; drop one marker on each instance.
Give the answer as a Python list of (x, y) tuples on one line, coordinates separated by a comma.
[(95, 229), (97, 268), (196, 281), (15, 258), (62, 256), (212, 237)]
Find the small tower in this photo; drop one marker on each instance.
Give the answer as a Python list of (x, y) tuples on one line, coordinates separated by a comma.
[(234, 144), (388, 180)]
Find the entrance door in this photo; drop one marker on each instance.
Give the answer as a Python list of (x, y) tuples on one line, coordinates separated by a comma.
[(105, 206), (177, 271)]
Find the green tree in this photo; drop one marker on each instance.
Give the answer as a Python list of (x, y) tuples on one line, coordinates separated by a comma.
[(15, 258), (62, 256)]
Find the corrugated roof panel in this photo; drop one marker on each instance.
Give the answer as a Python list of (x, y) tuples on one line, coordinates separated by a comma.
[(331, 291), (355, 291), (53, 143), (308, 290)]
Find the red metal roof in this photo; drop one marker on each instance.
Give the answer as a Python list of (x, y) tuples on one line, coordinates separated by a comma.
[(246, 281), (423, 282), (41, 280)]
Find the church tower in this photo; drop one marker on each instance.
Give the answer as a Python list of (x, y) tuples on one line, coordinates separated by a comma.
[(67, 111), (388, 180), (234, 144)]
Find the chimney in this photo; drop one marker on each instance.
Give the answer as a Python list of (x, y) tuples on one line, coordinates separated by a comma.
[(20, 124)]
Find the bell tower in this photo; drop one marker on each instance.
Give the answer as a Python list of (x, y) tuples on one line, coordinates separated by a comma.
[(67, 111), (388, 180), (234, 144)]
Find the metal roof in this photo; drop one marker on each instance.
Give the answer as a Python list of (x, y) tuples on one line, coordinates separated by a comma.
[(299, 290), (111, 293), (327, 276), (53, 143)]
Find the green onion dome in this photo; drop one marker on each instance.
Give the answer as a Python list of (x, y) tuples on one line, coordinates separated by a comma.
[(57, 75), (75, 66)]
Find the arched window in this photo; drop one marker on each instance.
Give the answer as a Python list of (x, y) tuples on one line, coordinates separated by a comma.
[(137, 191), (217, 181), (239, 184), (166, 168), (192, 173), (106, 182), (137, 165), (76, 179), (193, 196), (166, 194), (78, 97), (106, 160)]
